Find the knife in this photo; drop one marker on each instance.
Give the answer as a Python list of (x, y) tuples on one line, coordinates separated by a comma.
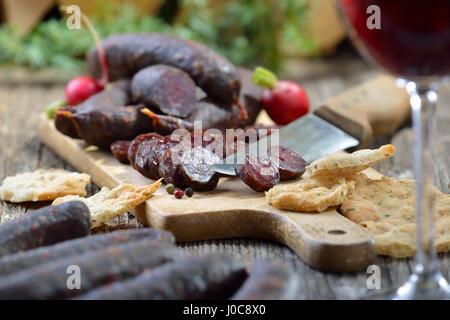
[(377, 107)]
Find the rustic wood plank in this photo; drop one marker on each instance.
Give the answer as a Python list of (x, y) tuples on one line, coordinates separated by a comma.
[(21, 150)]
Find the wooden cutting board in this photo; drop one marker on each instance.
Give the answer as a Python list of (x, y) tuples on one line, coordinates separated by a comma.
[(326, 241)]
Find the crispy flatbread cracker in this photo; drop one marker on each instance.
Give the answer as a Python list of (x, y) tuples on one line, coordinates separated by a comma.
[(385, 207), (310, 195), (327, 181), (343, 164), (107, 204), (43, 185)]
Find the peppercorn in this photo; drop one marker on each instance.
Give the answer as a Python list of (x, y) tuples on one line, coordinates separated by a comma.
[(170, 188), (189, 192), (179, 194)]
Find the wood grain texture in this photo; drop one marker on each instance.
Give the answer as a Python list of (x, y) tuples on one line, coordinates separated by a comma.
[(21, 150)]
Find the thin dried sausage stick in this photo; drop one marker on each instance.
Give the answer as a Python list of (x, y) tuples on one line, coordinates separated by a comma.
[(45, 226), (22, 260), (50, 280), (208, 277), (269, 280)]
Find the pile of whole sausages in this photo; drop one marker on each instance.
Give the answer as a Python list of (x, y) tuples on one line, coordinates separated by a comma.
[(48, 254), (181, 81)]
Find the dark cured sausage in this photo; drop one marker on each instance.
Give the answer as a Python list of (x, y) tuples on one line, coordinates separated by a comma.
[(119, 149), (290, 164), (126, 54), (170, 165), (22, 260), (116, 95), (209, 114), (45, 226), (165, 89), (63, 121), (137, 141), (146, 160), (213, 116), (269, 280), (258, 172), (208, 277), (105, 117), (197, 171), (49, 280)]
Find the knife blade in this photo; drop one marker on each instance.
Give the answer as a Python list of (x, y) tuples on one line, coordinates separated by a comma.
[(348, 120)]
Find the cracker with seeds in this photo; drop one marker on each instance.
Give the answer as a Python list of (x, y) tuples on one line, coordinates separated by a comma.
[(43, 185), (328, 181), (310, 195), (385, 207), (345, 165), (107, 204)]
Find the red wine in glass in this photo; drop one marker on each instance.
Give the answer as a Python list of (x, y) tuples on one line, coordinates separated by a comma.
[(414, 35), (411, 39)]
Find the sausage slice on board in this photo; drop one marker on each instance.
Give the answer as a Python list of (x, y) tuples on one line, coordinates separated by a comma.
[(170, 165), (197, 170), (119, 150), (258, 172), (146, 160), (290, 164), (137, 141)]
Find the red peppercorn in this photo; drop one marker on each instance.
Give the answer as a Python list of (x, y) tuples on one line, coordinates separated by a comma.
[(178, 194)]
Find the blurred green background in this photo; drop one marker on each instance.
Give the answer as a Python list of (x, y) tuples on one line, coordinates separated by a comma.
[(248, 32)]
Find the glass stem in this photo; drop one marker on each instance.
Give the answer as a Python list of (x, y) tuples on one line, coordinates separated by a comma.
[(423, 104)]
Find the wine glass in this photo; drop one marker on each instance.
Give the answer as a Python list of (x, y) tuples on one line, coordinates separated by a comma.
[(411, 39)]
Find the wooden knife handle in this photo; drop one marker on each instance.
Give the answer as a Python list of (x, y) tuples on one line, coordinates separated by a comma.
[(376, 107)]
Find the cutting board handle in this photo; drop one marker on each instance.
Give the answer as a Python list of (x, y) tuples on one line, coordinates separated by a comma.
[(326, 241), (330, 242), (376, 107)]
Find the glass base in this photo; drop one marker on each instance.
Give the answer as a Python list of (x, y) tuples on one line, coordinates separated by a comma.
[(418, 287)]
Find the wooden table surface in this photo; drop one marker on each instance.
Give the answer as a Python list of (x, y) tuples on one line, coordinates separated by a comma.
[(23, 97)]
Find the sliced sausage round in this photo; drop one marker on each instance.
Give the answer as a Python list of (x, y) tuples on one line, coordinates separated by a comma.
[(119, 149), (291, 164), (258, 172), (145, 161), (137, 141), (197, 170), (170, 164)]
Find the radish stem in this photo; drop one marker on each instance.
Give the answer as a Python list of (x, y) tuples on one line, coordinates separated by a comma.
[(100, 51)]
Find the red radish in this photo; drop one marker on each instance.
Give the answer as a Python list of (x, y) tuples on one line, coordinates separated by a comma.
[(284, 101), (81, 88)]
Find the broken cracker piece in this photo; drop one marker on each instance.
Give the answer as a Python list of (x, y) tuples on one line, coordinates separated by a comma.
[(107, 204), (385, 207), (43, 185), (343, 164), (310, 195)]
